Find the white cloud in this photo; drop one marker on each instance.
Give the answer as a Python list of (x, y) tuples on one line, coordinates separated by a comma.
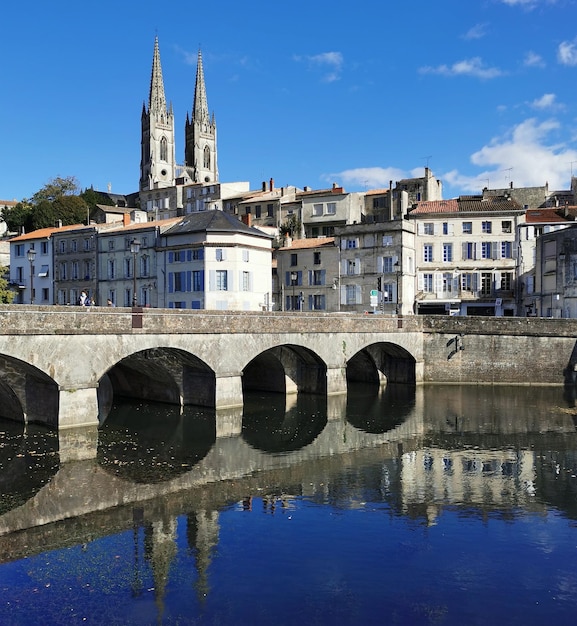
[(546, 101), (476, 32), (533, 60), (468, 67), (367, 177), (567, 53), (332, 62), (524, 155)]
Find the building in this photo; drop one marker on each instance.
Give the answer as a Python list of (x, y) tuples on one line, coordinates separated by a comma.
[(212, 260), (377, 267), (32, 267), (323, 210), (308, 275), (466, 255)]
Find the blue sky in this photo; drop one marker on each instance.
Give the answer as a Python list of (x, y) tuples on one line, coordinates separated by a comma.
[(306, 92)]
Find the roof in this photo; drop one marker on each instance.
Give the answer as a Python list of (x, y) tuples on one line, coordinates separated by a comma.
[(313, 242), (213, 221), (44, 233), (549, 215), (115, 209), (467, 204), (162, 224)]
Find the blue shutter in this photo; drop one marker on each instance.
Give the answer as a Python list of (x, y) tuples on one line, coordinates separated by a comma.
[(170, 282), (171, 257), (287, 279), (323, 277), (189, 281)]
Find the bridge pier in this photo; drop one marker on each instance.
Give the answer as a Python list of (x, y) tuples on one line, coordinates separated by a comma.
[(77, 407), (336, 380), (228, 391)]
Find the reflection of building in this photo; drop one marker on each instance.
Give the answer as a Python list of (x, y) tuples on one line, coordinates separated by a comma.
[(478, 478)]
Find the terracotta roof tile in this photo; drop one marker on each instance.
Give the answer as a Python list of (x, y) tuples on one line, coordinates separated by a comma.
[(313, 242)]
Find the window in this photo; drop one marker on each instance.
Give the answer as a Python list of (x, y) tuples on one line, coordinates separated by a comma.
[(387, 240), (246, 281), (486, 250), (469, 282), (197, 280), (63, 271), (467, 228), (294, 259), (506, 226), (163, 149), (507, 281), (61, 296), (111, 269), (44, 294), (144, 265), (248, 210), (317, 258), (445, 228), (447, 282), (62, 247), (351, 294), (351, 267), (245, 256), (86, 270), (198, 254), (128, 268), (86, 245), (387, 264), (317, 277), (428, 228), (43, 247), (331, 208), (352, 243), (428, 252), (220, 254), (74, 270), (448, 252), (19, 249), (486, 282), (43, 271), (428, 282), (317, 303), (179, 279), (468, 250), (74, 245), (317, 210), (487, 228), (221, 280), (269, 210), (388, 292), (111, 244), (257, 210), (506, 250)]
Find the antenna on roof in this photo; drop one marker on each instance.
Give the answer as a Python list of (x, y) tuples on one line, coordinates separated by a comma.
[(571, 164), (427, 159), (509, 169)]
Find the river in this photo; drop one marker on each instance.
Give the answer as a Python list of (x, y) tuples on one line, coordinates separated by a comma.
[(446, 504)]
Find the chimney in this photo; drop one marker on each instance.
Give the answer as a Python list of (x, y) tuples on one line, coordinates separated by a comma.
[(271, 184), (511, 185), (247, 219), (264, 185), (125, 219)]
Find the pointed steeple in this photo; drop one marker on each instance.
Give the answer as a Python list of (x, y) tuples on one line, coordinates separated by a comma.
[(200, 153), (157, 157), (157, 99)]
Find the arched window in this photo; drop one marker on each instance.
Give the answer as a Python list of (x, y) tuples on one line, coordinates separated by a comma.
[(206, 157), (163, 149)]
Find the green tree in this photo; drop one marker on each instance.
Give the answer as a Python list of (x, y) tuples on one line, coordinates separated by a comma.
[(19, 217), (56, 188), (6, 294)]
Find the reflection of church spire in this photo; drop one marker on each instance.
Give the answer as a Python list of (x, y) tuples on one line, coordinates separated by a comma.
[(202, 535), (160, 551)]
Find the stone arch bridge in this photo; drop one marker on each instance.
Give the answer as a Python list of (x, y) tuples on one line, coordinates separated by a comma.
[(61, 366)]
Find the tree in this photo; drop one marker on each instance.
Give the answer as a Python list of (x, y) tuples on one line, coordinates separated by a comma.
[(6, 294), (56, 188), (19, 217)]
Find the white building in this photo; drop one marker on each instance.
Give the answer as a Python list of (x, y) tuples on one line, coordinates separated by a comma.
[(211, 260)]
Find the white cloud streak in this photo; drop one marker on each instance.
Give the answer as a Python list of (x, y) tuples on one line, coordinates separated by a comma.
[(567, 53), (329, 62), (468, 67)]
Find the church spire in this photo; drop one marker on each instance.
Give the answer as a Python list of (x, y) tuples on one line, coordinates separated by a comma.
[(157, 158), (200, 134), (157, 99), (200, 105)]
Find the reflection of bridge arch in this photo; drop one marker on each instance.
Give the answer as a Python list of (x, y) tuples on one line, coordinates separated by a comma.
[(286, 369), (382, 362)]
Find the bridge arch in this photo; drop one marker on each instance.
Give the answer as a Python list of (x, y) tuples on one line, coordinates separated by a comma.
[(27, 394), (287, 368), (159, 374), (382, 362)]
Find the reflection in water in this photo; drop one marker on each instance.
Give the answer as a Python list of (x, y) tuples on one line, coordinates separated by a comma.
[(460, 508), (28, 460), (274, 423), (151, 443), (375, 409)]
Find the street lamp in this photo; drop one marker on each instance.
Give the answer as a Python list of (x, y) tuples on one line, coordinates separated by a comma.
[(294, 277), (397, 273), (135, 249), (31, 257)]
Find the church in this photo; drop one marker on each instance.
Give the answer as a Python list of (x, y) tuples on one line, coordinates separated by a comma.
[(161, 179)]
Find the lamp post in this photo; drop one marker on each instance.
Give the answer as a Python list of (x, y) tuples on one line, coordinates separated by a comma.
[(135, 249), (31, 257), (397, 272)]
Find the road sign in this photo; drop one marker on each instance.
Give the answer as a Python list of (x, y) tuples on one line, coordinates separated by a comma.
[(374, 293)]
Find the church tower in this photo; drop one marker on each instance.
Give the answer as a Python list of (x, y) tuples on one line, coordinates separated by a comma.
[(200, 135), (157, 160)]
